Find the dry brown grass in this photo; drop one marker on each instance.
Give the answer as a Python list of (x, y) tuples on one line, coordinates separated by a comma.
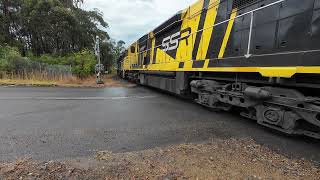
[(33, 79), (41, 79)]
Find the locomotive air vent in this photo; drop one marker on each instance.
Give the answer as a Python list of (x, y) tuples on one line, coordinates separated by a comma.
[(242, 3)]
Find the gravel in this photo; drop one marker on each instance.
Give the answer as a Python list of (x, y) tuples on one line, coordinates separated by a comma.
[(219, 159)]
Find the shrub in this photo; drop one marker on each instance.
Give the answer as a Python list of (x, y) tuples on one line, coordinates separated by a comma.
[(83, 63), (7, 56)]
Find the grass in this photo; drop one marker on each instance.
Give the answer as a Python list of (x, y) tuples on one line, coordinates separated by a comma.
[(43, 79), (31, 82), (36, 79)]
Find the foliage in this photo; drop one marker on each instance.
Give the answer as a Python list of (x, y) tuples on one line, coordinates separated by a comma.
[(7, 56), (110, 52), (49, 26), (84, 62), (54, 32)]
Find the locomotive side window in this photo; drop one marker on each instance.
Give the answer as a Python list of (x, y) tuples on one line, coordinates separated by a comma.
[(242, 3), (133, 49)]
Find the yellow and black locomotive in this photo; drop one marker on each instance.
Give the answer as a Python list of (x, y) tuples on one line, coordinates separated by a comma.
[(261, 56)]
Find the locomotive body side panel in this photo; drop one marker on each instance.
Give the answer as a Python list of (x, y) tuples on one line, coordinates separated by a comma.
[(213, 35)]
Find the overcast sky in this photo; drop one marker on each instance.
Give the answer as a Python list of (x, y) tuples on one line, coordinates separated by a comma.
[(130, 19)]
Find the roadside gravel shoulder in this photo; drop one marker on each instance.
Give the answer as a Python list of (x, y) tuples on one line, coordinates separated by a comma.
[(220, 159)]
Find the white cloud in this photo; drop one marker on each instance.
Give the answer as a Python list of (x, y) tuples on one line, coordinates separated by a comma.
[(130, 19)]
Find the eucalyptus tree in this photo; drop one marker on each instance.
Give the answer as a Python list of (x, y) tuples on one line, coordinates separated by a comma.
[(72, 3), (49, 26)]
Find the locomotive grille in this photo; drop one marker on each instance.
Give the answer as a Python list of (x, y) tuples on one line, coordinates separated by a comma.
[(242, 3)]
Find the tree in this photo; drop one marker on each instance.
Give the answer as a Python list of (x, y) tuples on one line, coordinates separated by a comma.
[(71, 3), (51, 31), (84, 63), (9, 22), (110, 52), (107, 54), (49, 26)]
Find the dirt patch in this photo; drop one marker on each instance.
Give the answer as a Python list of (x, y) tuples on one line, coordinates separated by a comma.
[(222, 159), (109, 81), (116, 81)]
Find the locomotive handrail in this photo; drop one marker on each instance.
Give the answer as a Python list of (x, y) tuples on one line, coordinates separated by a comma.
[(226, 21)]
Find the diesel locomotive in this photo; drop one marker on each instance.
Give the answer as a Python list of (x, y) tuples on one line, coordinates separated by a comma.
[(260, 57)]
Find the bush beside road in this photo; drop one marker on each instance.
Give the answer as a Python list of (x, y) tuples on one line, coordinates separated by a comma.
[(46, 67)]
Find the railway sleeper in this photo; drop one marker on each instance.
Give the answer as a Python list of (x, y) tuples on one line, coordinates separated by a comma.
[(285, 110)]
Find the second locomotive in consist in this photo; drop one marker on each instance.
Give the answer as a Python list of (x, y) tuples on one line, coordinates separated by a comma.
[(260, 56)]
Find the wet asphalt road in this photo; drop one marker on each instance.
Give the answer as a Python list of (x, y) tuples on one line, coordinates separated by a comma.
[(64, 123)]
